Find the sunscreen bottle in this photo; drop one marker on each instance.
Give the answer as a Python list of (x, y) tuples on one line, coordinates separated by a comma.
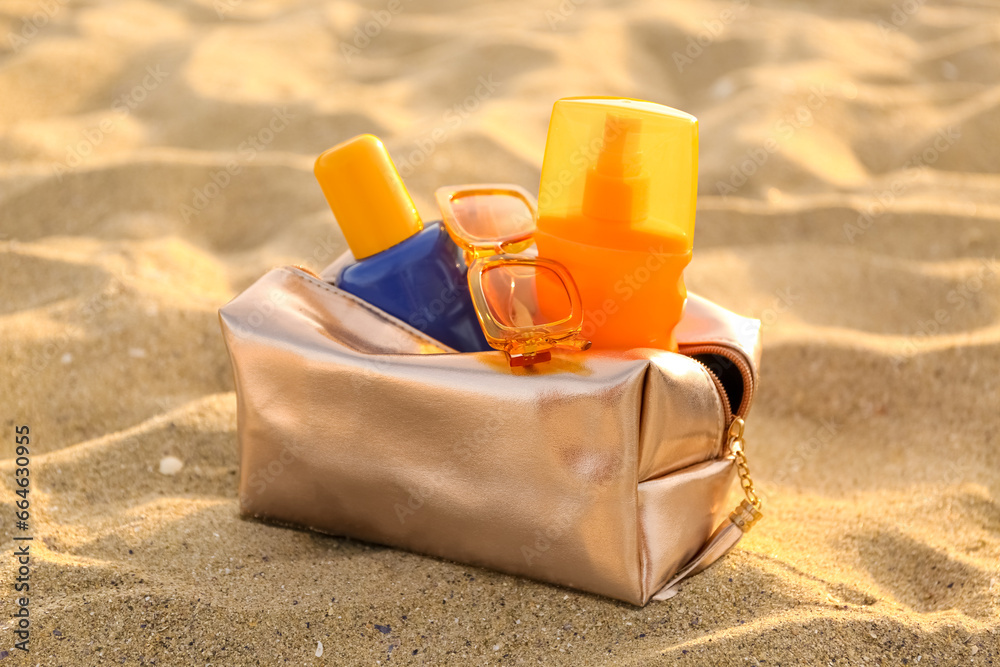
[(411, 271), (616, 207)]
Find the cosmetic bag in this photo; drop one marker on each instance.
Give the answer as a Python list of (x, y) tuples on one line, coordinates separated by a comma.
[(607, 472)]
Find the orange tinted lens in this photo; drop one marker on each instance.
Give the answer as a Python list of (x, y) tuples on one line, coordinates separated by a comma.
[(523, 295), (488, 217)]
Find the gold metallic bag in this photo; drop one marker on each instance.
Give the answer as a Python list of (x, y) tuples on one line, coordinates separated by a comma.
[(602, 471)]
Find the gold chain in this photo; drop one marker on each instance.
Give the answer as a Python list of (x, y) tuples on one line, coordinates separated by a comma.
[(749, 511)]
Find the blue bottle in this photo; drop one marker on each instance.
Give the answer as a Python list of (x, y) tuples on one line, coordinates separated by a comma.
[(410, 271)]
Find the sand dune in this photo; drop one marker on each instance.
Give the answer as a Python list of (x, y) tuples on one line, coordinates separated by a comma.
[(155, 159)]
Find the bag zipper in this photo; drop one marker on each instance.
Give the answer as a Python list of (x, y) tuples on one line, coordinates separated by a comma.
[(749, 511), (692, 349)]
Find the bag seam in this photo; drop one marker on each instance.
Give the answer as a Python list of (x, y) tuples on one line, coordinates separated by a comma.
[(721, 429), (686, 469), (384, 317), (639, 532)]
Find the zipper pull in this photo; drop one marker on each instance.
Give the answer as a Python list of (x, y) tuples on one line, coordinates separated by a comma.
[(749, 512)]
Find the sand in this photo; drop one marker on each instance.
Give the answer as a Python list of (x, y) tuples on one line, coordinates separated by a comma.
[(155, 158)]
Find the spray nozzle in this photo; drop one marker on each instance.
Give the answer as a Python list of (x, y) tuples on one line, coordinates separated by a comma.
[(620, 152), (617, 187)]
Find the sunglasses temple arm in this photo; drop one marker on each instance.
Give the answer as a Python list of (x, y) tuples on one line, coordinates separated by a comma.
[(575, 344)]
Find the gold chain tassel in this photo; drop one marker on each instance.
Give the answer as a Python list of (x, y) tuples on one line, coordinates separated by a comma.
[(748, 513)]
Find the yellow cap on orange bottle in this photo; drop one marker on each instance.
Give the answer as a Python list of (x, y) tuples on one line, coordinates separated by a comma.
[(616, 160), (367, 196)]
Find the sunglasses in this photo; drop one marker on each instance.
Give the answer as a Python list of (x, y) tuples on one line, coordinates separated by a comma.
[(526, 305)]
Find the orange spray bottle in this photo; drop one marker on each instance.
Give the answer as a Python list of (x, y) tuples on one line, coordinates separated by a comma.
[(616, 206)]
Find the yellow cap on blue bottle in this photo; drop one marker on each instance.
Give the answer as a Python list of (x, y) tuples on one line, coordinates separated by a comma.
[(367, 195)]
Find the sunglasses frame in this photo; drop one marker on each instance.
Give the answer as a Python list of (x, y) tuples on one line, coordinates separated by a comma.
[(527, 345), (475, 245), (522, 345)]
